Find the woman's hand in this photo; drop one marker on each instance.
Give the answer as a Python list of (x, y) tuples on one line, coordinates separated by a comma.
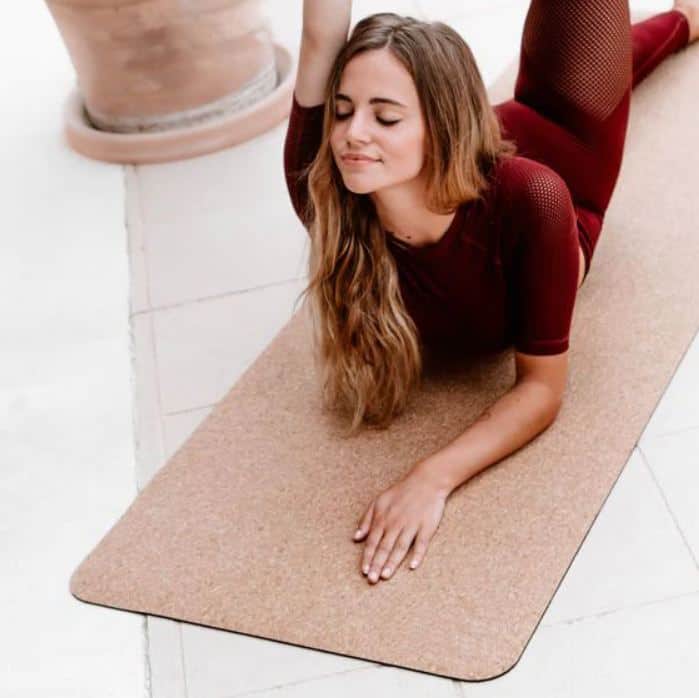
[(413, 506)]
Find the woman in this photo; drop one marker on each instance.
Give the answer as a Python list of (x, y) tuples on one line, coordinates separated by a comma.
[(443, 241), (466, 227)]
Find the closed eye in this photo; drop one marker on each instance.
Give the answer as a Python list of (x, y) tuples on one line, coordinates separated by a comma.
[(342, 117)]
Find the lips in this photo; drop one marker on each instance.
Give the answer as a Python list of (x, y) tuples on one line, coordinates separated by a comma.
[(358, 158)]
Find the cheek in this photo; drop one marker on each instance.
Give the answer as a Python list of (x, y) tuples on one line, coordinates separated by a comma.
[(405, 151), (336, 140)]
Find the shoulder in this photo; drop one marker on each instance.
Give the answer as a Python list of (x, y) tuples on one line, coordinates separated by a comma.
[(534, 199), (537, 218), (524, 182)]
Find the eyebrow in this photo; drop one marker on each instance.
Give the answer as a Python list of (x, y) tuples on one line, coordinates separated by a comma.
[(373, 100)]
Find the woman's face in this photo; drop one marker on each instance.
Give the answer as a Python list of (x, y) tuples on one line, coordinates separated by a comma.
[(392, 135)]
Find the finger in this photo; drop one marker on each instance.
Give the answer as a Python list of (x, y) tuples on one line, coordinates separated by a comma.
[(419, 549), (383, 551), (396, 557), (372, 542), (365, 523)]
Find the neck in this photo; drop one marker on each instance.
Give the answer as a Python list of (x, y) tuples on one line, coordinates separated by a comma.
[(404, 214)]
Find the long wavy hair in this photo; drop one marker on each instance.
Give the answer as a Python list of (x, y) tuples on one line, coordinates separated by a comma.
[(366, 344)]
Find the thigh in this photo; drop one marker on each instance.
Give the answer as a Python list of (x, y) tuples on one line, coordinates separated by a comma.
[(573, 92), (576, 62)]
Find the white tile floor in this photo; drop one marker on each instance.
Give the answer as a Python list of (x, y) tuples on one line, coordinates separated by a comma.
[(102, 323)]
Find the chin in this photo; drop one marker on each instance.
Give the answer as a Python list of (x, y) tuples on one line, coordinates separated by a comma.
[(359, 187)]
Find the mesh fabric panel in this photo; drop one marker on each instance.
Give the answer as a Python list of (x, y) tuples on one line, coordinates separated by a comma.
[(580, 55)]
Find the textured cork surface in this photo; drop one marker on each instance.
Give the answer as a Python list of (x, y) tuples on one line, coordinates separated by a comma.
[(248, 526)]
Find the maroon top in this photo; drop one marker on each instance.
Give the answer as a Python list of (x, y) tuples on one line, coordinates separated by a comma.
[(504, 273)]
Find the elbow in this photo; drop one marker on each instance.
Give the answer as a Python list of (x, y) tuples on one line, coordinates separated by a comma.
[(552, 409), (548, 408), (547, 402)]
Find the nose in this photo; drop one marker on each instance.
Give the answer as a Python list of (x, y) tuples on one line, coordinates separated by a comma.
[(356, 129)]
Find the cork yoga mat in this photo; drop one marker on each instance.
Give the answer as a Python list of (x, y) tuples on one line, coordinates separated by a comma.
[(248, 526)]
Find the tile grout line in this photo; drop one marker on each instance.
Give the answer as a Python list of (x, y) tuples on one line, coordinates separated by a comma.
[(146, 657), (299, 682), (161, 440), (182, 660), (159, 410), (216, 296), (141, 222), (668, 507), (145, 638), (621, 609)]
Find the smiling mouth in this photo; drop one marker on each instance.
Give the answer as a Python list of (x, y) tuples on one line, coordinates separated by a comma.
[(357, 161)]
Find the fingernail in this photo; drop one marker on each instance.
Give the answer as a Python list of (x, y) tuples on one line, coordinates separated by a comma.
[(365, 569), (373, 576), (386, 572), (358, 533)]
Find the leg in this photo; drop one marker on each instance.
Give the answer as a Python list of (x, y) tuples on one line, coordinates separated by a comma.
[(690, 9), (578, 58), (578, 63), (654, 39), (575, 62)]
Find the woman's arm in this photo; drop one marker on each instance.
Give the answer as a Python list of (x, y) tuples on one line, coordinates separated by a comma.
[(511, 422), (319, 50), (325, 27), (326, 19)]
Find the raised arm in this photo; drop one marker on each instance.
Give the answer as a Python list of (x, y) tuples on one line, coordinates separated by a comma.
[(325, 27), (330, 17), (324, 33)]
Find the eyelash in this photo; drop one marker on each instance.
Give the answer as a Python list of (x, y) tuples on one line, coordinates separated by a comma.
[(342, 117)]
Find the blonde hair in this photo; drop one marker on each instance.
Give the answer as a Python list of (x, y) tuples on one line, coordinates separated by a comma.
[(366, 344)]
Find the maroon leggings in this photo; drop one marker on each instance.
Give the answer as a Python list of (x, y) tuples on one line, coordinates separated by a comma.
[(579, 61)]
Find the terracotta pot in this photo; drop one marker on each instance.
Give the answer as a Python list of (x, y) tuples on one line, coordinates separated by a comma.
[(164, 79)]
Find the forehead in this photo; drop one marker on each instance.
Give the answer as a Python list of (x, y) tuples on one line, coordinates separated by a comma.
[(377, 73)]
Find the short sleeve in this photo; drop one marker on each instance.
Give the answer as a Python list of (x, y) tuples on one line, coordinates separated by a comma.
[(545, 263), (303, 138)]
